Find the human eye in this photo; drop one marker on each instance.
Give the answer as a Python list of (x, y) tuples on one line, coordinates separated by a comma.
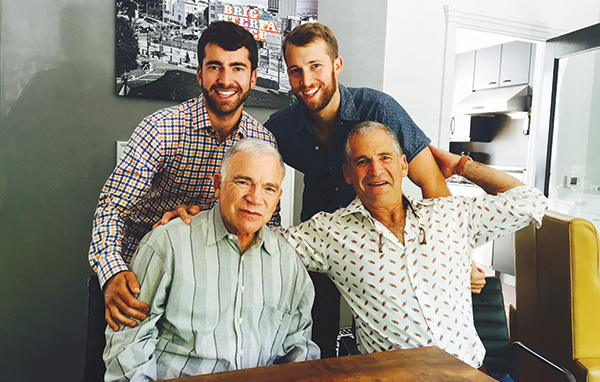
[(361, 162), (242, 182)]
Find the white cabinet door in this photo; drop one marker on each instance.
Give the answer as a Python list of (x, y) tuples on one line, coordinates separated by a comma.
[(514, 68), (487, 67)]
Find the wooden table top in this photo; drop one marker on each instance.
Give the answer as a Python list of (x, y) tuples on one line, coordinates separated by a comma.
[(429, 364)]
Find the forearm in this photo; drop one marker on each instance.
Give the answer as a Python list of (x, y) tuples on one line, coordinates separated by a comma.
[(491, 180), (105, 253), (129, 351)]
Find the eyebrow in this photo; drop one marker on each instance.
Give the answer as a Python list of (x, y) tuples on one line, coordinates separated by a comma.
[(219, 63), (243, 177)]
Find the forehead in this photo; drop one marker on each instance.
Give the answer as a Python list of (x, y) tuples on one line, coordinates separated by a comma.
[(213, 52), (316, 49), (373, 142), (255, 165)]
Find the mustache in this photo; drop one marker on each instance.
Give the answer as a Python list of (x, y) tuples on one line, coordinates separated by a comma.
[(223, 87)]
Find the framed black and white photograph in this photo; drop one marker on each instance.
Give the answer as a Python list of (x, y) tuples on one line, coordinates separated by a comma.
[(156, 45)]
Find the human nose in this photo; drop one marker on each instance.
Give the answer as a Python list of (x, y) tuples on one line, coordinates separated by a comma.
[(226, 77), (305, 78), (375, 168), (253, 195)]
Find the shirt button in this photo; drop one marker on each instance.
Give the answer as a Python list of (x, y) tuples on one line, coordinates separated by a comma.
[(337, 189), (240, 320), (317, 148), (241, 351), (242, 288)]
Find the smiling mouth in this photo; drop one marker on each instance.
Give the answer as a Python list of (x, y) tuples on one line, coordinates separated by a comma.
[(310, 92), (376, 184), (225, 93)]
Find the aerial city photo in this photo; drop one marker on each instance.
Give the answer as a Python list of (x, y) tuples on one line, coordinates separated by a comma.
[(156, 45)]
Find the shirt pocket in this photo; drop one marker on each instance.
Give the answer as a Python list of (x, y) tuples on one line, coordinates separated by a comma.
[(274, 326)]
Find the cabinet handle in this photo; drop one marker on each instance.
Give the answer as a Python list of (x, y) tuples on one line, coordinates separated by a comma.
[(492, 83), (452, 126), (505, 81)]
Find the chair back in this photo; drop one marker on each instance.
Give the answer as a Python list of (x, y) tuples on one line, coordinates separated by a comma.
[(96, 324), (489, 317), (558, 294)]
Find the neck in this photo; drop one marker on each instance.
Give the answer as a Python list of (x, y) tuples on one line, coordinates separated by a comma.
[(245, 240), (393, 218), (224, 124), (323, 122)]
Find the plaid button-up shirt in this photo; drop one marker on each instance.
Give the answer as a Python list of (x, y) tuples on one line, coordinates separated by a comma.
[(170, 160)]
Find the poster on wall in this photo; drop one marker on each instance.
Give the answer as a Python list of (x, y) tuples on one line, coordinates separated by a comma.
[(156, 45)]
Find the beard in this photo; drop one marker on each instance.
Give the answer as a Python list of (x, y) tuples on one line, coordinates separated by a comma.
[(224, 109), (327, 92)]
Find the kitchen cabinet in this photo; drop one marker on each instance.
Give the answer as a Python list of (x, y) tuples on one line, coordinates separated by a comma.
[(502, 65), (487, 67), (514, 67), (460, 125)]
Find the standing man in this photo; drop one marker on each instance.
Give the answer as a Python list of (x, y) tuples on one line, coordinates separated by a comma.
[(403, 265), (170, 160), (225, 293), (311, 135)]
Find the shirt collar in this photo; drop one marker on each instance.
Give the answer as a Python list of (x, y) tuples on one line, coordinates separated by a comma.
[(357, 206), (217, 232), (348, 110), (204, 119)]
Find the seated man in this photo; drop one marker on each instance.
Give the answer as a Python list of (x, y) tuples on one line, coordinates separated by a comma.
[(403, 265), (224, 293)]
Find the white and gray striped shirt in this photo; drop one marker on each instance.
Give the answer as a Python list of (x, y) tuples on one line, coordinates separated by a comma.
[(212, 308)]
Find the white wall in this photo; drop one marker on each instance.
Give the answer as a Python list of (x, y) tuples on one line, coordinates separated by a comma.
[(416, 39), (360, 28)]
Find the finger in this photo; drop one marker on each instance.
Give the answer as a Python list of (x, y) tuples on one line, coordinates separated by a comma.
[(121, 318), (132, 282), (183, 214), (165, 219), (193, 210), (109, 320)]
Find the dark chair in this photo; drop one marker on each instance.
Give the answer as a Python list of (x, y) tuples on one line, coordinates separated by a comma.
[(502, 356), (94, 365)]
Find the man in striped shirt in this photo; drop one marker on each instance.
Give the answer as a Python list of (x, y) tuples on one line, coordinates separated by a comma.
[(170, 160), (224, 293)]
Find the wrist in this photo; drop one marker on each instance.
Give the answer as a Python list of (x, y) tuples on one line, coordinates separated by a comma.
[(460, 167)]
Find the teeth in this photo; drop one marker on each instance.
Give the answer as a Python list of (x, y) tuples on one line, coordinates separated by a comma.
[(226, 94), (311, 92)]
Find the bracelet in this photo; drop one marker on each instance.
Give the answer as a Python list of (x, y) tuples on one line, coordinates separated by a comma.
[(461, 164)]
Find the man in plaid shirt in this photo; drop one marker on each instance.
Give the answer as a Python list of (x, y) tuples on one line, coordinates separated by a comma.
[(170, 160)]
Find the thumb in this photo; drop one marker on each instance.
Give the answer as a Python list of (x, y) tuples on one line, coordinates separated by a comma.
[(132, 282)]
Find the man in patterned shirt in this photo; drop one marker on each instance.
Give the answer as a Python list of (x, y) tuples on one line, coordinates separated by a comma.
[(311, 135), (170, 160), (225, 293), (403, 265)]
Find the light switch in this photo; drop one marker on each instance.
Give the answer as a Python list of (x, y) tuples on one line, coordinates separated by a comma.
[(120, 147)]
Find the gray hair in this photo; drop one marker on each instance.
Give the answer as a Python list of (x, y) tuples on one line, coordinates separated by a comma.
[(366, 128), (251, 146)]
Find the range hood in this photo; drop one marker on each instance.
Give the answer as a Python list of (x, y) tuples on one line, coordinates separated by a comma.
[(501, 100)]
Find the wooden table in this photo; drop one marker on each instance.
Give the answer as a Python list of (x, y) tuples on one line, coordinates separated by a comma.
[(429, 364)]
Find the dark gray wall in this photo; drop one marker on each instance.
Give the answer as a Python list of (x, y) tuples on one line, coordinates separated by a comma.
[(59, 123)]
